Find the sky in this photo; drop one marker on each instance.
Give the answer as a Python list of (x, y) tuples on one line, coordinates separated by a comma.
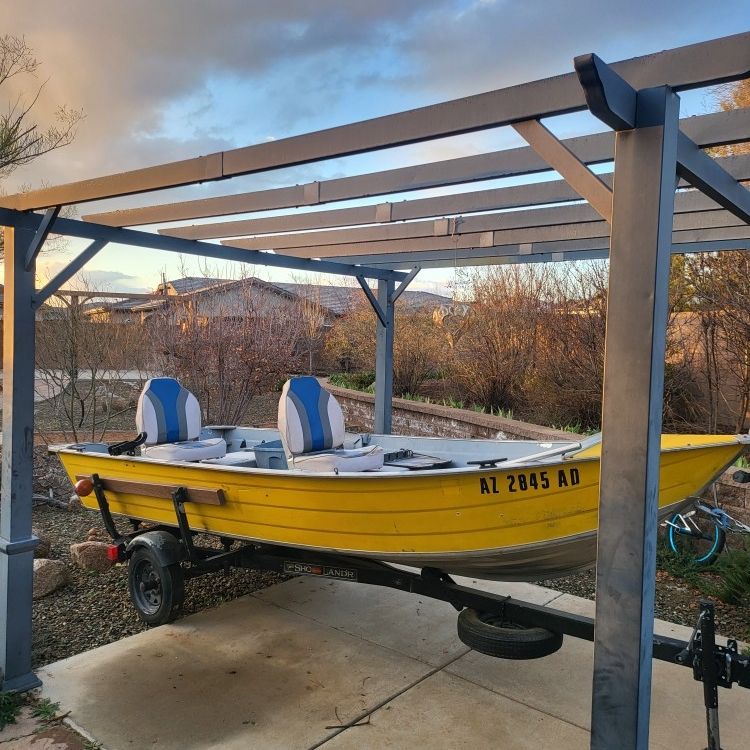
[(168, 80)]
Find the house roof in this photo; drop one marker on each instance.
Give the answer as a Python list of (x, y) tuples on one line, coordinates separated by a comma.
[(337, 300)]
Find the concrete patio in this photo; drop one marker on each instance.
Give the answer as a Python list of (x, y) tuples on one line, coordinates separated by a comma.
[(297, 664)]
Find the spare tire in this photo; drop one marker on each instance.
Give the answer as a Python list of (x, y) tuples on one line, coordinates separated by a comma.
[(491, 634)]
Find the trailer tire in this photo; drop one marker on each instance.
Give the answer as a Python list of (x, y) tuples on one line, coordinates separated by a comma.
[(492, 635), (156, 590)]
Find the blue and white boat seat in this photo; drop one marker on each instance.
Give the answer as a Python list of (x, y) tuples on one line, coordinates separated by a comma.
[(312, 430), (171, 418)]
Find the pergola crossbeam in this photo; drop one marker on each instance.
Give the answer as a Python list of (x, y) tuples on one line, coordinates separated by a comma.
[(706, 130), (517, 196)]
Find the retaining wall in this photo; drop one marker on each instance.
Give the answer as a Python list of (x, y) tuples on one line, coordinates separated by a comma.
[(419, 418)]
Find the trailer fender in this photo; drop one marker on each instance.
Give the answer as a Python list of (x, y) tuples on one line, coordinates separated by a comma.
[(167, 548)]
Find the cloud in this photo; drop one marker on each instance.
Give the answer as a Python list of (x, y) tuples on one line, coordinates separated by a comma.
[(167, 80)]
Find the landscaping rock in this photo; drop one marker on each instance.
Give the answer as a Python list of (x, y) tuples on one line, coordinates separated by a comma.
[(49, 575), (91, 556)]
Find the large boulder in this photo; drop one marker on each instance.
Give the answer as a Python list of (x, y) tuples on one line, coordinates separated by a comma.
[(49, 575), (91, 556)]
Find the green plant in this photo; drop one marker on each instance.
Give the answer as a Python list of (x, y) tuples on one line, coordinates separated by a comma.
[(45, 709), (358, 381), (733, 569), (742, 462), (453, 403), (679, 565), (10, 705)]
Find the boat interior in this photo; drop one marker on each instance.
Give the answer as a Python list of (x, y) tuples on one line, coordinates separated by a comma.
[(311, 437)]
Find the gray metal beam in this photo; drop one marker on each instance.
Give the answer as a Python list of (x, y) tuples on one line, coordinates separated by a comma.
[(637, 313), (75, 265), (135, 238), (384, 359), (17, 541), (706, 130), (701, 171), (613, 100), (692, 66)]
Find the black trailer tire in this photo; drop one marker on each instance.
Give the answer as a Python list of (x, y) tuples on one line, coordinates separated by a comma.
[(156, 590), (490, 634)]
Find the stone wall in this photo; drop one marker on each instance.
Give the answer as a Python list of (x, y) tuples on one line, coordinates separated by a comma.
[(419, 418), (734, 497)]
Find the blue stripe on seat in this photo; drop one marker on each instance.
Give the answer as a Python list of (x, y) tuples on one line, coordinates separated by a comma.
[(167, 391), (307, 390)]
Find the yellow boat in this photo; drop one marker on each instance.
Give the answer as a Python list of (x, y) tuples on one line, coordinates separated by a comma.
[(495, 509)]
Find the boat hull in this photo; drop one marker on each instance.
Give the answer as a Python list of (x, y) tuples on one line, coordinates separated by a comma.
[(523, 523)]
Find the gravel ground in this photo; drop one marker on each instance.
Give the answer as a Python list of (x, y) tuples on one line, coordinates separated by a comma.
[(676, 601)]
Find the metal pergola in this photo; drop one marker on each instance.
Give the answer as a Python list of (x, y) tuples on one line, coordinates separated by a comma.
[(636, 219)]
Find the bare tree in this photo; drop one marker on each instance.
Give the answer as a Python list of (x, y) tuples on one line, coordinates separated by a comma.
[(21, 139), (228, 348), (84, 365)]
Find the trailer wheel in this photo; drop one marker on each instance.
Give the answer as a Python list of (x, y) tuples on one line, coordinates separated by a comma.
[(157, 591), (490, 634)]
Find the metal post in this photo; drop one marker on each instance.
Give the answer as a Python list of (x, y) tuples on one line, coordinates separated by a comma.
[(643, 204), (384, 359), (17, 543)]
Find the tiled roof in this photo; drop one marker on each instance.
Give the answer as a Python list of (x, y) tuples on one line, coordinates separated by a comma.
[(191, 284), (338, 300)]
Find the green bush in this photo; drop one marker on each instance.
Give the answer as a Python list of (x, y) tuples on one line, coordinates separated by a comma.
[(733, 569), (10, 705), (358, 381)]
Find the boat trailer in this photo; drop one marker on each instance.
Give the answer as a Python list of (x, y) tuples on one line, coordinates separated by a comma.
[(162, 557)]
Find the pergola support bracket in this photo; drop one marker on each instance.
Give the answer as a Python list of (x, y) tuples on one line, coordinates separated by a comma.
[(41, 234), (75, 265), (588, 185)]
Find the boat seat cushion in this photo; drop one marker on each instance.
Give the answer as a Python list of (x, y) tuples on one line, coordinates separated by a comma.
[(310, 418), (167, 412), (188, 450), (369, 458)]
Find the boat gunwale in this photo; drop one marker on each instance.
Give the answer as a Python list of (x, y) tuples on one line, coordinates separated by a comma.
[(558, 459)]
